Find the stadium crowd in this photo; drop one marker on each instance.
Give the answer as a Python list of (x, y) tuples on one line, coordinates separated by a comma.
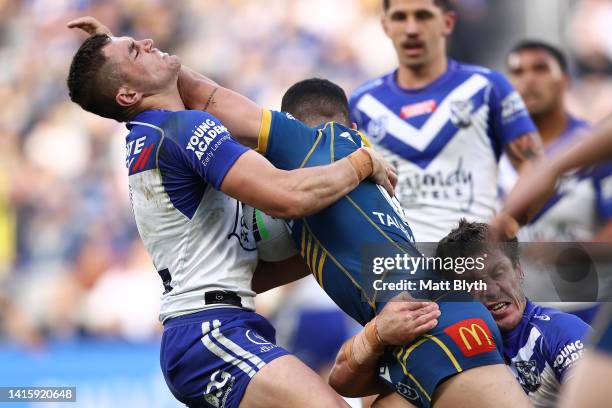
[(71, 261)]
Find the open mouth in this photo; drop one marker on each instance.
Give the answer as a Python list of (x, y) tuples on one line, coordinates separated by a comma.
[(498, 308)]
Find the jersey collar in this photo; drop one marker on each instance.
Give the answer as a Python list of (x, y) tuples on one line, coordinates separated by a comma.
[(152, 116), (392, 80)]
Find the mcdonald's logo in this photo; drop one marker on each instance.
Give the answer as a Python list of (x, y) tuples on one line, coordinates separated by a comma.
[(472, 336)]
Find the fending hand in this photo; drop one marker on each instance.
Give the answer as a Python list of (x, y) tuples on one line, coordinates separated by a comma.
[(90, 25)]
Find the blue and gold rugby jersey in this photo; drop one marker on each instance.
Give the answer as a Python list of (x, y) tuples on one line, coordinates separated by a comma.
[(334, 240)]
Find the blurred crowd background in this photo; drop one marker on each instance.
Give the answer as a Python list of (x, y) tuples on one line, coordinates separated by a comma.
[(72, 267)]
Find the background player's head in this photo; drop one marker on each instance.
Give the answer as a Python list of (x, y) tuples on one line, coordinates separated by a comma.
[(418, 29), (110, 76), (504, 296), (539, 72), (315, 101)]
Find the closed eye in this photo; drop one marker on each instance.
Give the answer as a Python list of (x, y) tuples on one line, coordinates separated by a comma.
[(132, 48)]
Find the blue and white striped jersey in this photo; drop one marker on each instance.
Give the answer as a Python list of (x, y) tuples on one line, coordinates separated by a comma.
[(194, 233), (445, 140), (541, 350), (581, 204)]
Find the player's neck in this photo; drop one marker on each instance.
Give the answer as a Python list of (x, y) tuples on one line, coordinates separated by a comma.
[(551, 124), (421, 76), (168, 100)]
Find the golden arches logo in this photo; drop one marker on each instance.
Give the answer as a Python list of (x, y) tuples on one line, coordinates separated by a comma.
[(473, 331)]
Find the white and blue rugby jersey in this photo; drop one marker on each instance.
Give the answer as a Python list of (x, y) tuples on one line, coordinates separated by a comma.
[(542, 348), (445, 140), (194, 233), (581, 204)]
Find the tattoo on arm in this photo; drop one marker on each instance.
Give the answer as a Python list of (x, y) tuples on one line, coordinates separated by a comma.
[(210, 98), (525, 148)]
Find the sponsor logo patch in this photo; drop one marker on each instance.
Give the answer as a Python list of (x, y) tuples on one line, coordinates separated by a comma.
[(472, 336), (418, 109)]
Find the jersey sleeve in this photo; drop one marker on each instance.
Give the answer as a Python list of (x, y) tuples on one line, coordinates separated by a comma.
[(284, 140), (509, 115), (564, 344), (602, 178), (206, 145)]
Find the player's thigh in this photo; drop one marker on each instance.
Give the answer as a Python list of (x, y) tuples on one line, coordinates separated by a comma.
[(287, 382), (481, 387)]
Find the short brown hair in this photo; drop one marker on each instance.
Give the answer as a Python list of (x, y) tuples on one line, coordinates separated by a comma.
[(470, 237), (445, 5), (93, 82)]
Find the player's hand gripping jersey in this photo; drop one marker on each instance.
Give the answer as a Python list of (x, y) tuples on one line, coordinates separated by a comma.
[(445, 140), (333, 242)]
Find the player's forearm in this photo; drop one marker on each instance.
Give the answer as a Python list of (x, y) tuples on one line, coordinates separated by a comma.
[(238, 113), (590, 150), (355, 371), (316, 188)]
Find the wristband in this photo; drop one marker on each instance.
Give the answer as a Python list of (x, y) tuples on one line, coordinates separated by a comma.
[(362, 163), (374, 340), (369, 347)]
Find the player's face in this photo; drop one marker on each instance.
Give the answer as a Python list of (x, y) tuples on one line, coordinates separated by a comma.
[(418, 30), (143, 68), (504, 296), (537, 76)]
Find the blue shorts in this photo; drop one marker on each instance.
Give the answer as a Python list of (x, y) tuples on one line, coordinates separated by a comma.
[(209, 357), (466, 337)]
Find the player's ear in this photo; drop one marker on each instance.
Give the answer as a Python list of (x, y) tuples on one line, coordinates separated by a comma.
[(519, 271), (354, 126), (127, 97), (383, 23), (450, 19)]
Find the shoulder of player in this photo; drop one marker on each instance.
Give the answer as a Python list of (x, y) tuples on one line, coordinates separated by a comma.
[(493, 76), (557, 326), (370, 86)]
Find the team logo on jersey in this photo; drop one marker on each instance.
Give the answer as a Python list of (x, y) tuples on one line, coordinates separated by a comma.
[(377, 128), (418, 109), (461, 113), (241, 231), (472, 336), (542, 317), (219, 387), (528, 374), (407, 391)]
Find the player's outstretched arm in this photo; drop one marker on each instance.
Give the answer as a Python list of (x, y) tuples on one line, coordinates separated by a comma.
[(400, 322), (238, 113), (537, 183), (301, 192)]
